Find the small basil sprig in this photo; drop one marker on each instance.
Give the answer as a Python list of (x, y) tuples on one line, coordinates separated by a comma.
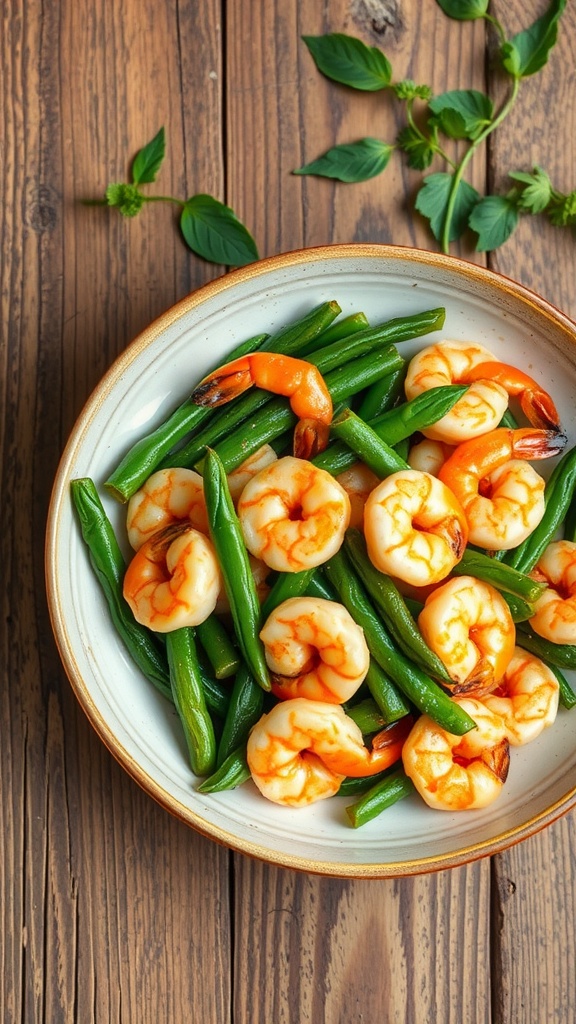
[(449, 203), (209, 228)]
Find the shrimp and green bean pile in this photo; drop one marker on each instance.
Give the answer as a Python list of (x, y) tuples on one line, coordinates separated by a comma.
[(347, 575)]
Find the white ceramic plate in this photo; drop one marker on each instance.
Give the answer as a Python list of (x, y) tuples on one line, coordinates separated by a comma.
[(155, 374)]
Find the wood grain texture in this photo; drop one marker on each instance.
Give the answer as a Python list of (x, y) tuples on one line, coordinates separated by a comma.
[(535, 883), (102, 893), (110, 910)]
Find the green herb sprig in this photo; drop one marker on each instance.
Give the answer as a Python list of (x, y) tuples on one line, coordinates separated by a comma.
[(449, 202), (209, 228)]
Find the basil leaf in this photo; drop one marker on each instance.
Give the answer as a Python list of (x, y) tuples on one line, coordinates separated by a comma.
[(356, 161), (419, 151), (464, 10), (494, 219), (462, 113), (213, 231), (348, 60), (432, 201), (527, 52), (147, 161), (536, 192)]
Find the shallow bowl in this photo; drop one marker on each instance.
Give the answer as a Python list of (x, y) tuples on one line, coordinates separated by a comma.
[(153, 375)]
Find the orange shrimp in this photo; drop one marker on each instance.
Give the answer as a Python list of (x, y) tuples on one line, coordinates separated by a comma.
[(502, 496), (173, 579), (302, 750), (297, 379), (536, 404)]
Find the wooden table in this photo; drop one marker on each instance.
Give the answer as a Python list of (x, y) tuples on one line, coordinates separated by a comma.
[(111, 909)]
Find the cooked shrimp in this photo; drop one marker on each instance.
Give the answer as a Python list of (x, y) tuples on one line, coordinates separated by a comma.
[(167, 496), (302, 750), (555, 610), (298, 379), (358, 482), (293, 515), (448, 362), (536, 404), (469, 626), (173, 580), (415, 528), (240, 476), (526, 698), (458, 773), (314, 649), (428, 456), (511, 502)]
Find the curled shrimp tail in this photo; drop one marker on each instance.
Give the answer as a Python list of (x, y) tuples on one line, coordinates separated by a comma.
[(536, 404), (528, 443), (479, 682), (455, 536), (224, 384), (497, 759), (310, 438)]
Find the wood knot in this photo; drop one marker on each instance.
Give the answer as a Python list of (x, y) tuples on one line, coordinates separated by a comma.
[(383, 17), (41, 208)]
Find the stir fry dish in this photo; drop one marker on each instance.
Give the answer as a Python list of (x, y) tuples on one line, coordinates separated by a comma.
[(347, 574)]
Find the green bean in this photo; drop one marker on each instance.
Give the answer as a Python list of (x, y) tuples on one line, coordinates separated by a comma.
[(232, 773), (146, 455), (109, 566), (287, 585), (520, 610), (383, 794), (216, 695), (221, 652), (560, 655), (382, 395), (351, 786), (389, 602), (367, 716), (189, 700), (235, 567), (276, 417), (422, 691), (567, 692), (337, 331), (396, 425), (558, 495), (366, 444), (245, 709), (499, 574)]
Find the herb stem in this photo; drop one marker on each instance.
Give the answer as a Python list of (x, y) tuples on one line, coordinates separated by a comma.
[(425, 138), (163, 199), (458, 174)]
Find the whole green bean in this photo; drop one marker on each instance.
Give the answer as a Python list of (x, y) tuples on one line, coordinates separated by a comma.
[(235, 567), (189, 700), (220, 651), (396, 425), (337, 331), (558, 495), (383, 794), (109, 566), (499, 574), (422, 691), (232, 773), (367, 716), (245, 709), (520, 610), (388, 600)]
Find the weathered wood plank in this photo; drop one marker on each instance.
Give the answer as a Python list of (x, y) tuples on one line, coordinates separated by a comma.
[(327, 950), (534, 883), (110, 909)]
